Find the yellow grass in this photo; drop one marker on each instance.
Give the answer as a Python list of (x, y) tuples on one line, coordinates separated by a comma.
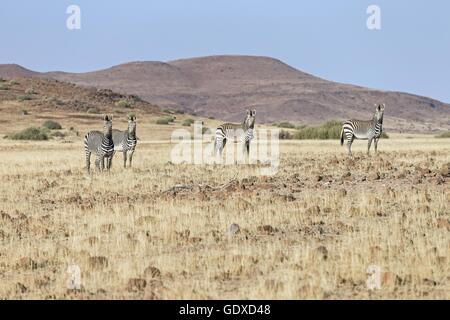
[(301, 235)]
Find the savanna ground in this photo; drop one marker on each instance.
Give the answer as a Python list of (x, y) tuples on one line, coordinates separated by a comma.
[(310, 231)]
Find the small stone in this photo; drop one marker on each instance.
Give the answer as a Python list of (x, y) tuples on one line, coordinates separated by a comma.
[(233, 229), (445, 170), (323, 252)]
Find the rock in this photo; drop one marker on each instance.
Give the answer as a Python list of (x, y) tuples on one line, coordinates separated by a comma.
[(136, 284), (373, 176), (98, 262), (233, 229), (445, 170), (323, 252)]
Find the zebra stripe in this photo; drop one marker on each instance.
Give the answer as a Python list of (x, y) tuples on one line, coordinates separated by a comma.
[(125, 141), (228, 131), (364, 129), (101, 144)]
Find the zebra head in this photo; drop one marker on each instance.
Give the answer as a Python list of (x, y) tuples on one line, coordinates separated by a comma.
[(379, 111), (132, 126), (249, 121), (107, 125)]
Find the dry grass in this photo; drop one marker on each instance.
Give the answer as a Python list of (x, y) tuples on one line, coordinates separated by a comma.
[(310, 231)]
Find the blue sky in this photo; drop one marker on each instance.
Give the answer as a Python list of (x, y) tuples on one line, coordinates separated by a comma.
[(329, 38)]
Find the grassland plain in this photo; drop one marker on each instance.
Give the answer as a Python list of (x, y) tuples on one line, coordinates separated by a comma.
[(310, 231)]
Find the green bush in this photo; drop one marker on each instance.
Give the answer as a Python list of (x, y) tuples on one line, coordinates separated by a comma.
[(286, 125), (52, 125), (165, 120), (123, 104), (3, 87), (93, 110), (329, 130), (445, 134), (13, 82), (285, 135), (31, 133), (24, 97), (188, 122)]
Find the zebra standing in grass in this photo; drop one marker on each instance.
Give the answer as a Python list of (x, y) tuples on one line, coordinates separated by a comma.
[(364, 129), (228, 131), (125, 141), (100, 143)]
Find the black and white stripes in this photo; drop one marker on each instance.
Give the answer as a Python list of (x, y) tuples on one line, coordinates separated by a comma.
[(242, 131), (364, 129), (101, 144), (125, 141)]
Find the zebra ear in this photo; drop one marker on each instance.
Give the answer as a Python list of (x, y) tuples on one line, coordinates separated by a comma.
[(254, 112), (105, 117), (249, 112)]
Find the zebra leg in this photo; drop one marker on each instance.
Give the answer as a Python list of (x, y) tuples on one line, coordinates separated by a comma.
[(376, 145), (125, 159), (224, 142), (131, 158), (88, 161), (368, 146), (349, 145)]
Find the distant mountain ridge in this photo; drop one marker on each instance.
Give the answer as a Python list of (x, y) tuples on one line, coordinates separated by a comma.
[(224, 86)]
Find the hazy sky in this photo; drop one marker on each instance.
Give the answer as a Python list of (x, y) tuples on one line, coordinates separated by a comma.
[(329, 39)]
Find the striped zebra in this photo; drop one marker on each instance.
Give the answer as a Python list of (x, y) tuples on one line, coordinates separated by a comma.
[(101, 144), (364, 129), (244, 131), (125, 141)]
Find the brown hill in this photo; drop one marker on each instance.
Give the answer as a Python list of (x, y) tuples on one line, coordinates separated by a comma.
[(223, 86), (50, 94)]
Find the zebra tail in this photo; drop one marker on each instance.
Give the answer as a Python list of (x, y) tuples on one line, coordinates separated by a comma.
[(342, 136)]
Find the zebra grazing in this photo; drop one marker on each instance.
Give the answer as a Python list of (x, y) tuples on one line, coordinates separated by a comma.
[(243, 130), (364, 129), (100, 143), (125, 141)]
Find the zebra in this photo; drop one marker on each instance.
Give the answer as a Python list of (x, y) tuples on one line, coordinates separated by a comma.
[(364, 129), (243, 130), (100, 143), (126, 140)]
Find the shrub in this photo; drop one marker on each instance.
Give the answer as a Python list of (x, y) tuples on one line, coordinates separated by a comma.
[(285, 135), (329, 130), (93, 110), (445, 134), (24, 112), (31, 133), (13, 82), (179, 111), (211, 118), (24, 97), (286, 125), (3, 87), (124, 103), (52, 125), (165, 120), (188, 122), (30, 91)]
